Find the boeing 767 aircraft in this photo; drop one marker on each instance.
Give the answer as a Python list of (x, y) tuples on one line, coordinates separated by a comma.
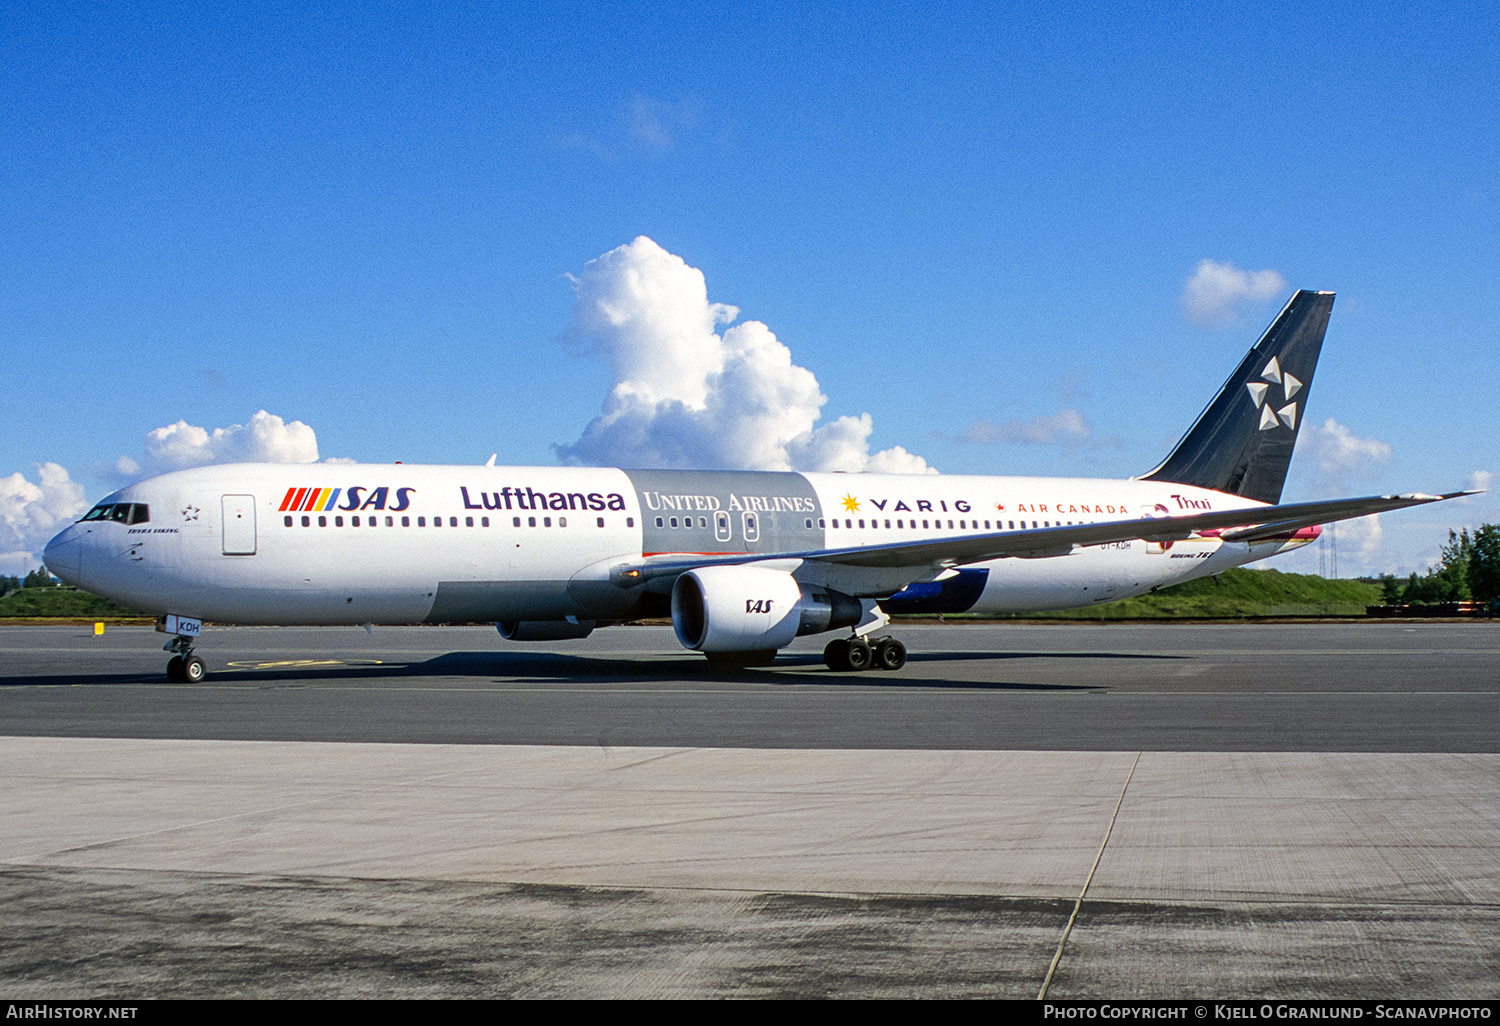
[(744, 561)]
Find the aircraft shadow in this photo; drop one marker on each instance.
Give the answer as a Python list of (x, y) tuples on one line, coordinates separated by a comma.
[(556, 668)]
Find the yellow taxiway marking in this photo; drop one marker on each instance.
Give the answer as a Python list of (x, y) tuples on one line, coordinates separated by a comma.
[(286, 664)]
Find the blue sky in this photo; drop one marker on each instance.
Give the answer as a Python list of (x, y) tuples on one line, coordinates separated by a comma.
[(977, 223)]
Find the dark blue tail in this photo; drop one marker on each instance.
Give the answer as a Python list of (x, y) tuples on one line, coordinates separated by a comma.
[(1242, 443)]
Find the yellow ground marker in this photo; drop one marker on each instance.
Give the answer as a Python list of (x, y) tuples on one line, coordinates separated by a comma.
[(98, 628)]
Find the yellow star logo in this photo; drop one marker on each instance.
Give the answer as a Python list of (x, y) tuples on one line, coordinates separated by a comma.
[(851, 504)]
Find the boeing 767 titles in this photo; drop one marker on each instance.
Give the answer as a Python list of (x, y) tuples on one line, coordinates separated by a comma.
[(743, 561)]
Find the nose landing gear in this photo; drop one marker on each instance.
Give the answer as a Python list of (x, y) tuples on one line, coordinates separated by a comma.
[(184, 667)]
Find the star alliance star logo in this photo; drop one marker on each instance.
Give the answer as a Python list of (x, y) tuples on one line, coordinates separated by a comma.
[(190, 513), (1259, 393), (851, 504)]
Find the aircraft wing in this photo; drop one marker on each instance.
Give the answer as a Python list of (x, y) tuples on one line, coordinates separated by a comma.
[(1241, 525)]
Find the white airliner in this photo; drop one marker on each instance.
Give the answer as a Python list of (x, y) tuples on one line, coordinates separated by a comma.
[(744, 561)]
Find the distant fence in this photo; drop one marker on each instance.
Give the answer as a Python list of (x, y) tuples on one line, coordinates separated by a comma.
[(1313, 609), (1432, 609)]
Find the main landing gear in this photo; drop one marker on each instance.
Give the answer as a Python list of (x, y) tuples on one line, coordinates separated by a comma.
[(184, 667), (857, 654)]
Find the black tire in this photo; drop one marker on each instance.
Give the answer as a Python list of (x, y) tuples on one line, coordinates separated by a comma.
[(194, 670), (890, 654), (860, 655), (174, 670), (836, 654)]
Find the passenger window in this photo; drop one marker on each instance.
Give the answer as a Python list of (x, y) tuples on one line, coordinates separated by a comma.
[(287, 521), (306, 521), (562, 521), (484, 521), (515, 521), (421, 521), (338, 521), (673, 521), (389, 521), (630, 521), (468, 521), (601, 521), (531, 521), (659, 522), (453, 522), (322, 521)]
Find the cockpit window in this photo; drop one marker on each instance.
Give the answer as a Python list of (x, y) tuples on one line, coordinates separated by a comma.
[(124, 512)]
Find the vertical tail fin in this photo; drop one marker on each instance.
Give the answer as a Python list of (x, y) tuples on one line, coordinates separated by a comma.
[(1242, 442)]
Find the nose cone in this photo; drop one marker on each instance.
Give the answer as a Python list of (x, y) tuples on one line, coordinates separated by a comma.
[(64, 556)]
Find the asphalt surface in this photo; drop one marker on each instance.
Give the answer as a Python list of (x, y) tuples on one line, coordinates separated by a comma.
[(459, 816), (1277, 687)]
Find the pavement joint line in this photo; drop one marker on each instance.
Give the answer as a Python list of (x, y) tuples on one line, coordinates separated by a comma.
[(1057, 956)]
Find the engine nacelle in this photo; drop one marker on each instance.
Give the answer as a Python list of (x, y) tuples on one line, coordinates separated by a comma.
[(544, 630), (753, 609)]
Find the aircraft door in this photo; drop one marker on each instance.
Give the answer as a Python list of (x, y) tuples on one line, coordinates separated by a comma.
[(721, 526), (239, 525)]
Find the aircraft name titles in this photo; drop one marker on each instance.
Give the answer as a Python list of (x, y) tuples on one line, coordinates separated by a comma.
[(709, 503), (530, 498)]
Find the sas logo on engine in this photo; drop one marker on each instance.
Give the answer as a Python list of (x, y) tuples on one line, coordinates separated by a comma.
[(757, 605), (319, 500)]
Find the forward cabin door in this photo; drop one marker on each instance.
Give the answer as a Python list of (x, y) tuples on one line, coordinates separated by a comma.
[(239, 525)]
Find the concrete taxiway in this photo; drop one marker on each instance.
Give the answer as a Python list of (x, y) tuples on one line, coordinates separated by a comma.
[(609, 818)]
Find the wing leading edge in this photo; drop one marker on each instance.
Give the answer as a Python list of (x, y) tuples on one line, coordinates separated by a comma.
[(1240, 525)]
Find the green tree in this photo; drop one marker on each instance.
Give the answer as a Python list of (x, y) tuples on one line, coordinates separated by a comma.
[(1449, 580), (1390, 589), (38, 578), (1484, 564)]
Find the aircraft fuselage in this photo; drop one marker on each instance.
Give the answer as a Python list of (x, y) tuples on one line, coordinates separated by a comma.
[(398, 543)]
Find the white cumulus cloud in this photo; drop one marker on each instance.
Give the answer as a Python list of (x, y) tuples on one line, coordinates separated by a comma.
[(686, 394), (1341, 456), (1332, 460), (266, 438), (30, 514), (1216, 293)]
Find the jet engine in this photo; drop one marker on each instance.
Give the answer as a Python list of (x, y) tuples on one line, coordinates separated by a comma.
[(750, 609)]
